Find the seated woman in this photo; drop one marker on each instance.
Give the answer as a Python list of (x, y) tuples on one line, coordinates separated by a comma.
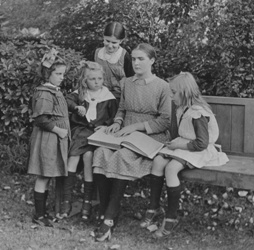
[(145, 105)]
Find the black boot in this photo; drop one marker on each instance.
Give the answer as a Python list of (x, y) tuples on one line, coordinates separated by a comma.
[(117, 192), (112, 212), (87, 205), (104, 185), (69, 183), (39, 217), (47, 215)]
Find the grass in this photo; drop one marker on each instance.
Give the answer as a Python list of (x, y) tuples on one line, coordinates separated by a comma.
[(205, 221)]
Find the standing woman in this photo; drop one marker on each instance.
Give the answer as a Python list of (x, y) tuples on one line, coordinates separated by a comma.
[(116, 61), (145, 106)]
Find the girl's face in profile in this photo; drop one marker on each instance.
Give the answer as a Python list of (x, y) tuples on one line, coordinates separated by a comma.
[(57, 75), (111, 44), (94, 80), (141, 63), (175, 95)]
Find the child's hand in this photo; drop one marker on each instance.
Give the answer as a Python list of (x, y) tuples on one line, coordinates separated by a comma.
[(81, 110), (61, 132), (177, 143), (171, 145)]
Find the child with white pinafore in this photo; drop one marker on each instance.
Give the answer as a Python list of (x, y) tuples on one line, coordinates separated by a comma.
[(193, 148)]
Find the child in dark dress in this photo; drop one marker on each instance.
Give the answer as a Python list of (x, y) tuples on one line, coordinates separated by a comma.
[(92, 105), (49, 140)]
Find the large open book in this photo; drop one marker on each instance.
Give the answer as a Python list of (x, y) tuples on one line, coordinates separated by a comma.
[(136, 141)]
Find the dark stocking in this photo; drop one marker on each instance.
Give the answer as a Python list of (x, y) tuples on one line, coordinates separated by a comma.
[(69, 182), (156, 184), (174, 194)]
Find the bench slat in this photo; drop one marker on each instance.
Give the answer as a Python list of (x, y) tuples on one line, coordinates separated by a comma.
[(237, 173), (235, 118)]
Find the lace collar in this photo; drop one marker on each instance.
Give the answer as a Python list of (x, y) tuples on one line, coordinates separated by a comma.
[(113, 58)]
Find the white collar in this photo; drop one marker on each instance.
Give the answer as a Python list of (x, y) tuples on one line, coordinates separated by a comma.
[(103, 95), (48, 84), (113, 58), (146, 80)]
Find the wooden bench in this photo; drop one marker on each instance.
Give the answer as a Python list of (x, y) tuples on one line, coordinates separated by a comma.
[(235, 117)]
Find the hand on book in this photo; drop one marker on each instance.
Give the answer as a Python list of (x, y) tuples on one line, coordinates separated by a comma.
[(177, 143), (112, 128), (128, 130), (100, 127)]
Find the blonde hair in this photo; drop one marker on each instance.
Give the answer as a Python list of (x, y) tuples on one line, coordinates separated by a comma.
[(188, 90), (83, 71)]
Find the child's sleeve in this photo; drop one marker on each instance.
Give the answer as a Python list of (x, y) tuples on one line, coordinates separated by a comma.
[(202, 136), (44, 122), (72, 101)]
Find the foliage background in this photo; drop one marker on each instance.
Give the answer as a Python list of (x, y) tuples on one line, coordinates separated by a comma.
[(213, 39)]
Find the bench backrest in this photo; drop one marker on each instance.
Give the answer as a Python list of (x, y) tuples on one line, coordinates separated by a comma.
[(235, 117)]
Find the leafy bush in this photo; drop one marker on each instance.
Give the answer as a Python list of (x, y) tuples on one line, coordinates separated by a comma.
[(211, 39), (19, 64), (13, 156), (21, 14)]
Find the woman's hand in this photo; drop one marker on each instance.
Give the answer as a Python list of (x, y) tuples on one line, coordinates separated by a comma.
[(127, 130), (99, 127), (81, 110), (113, 128)]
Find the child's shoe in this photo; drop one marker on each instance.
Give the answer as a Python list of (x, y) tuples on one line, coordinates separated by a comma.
[(86, 210), (99, 220), (65, 210), (151, 215), (42, 221), (50, 218), (166, 228)]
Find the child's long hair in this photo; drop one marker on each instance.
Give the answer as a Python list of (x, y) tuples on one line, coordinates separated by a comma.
[(189, 91), (85, 68)]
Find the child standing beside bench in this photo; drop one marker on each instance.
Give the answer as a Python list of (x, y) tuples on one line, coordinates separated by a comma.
[(49, 139)]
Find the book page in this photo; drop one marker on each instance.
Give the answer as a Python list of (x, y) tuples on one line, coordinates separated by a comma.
[(166, 151), (100, 138), (142, 144)]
